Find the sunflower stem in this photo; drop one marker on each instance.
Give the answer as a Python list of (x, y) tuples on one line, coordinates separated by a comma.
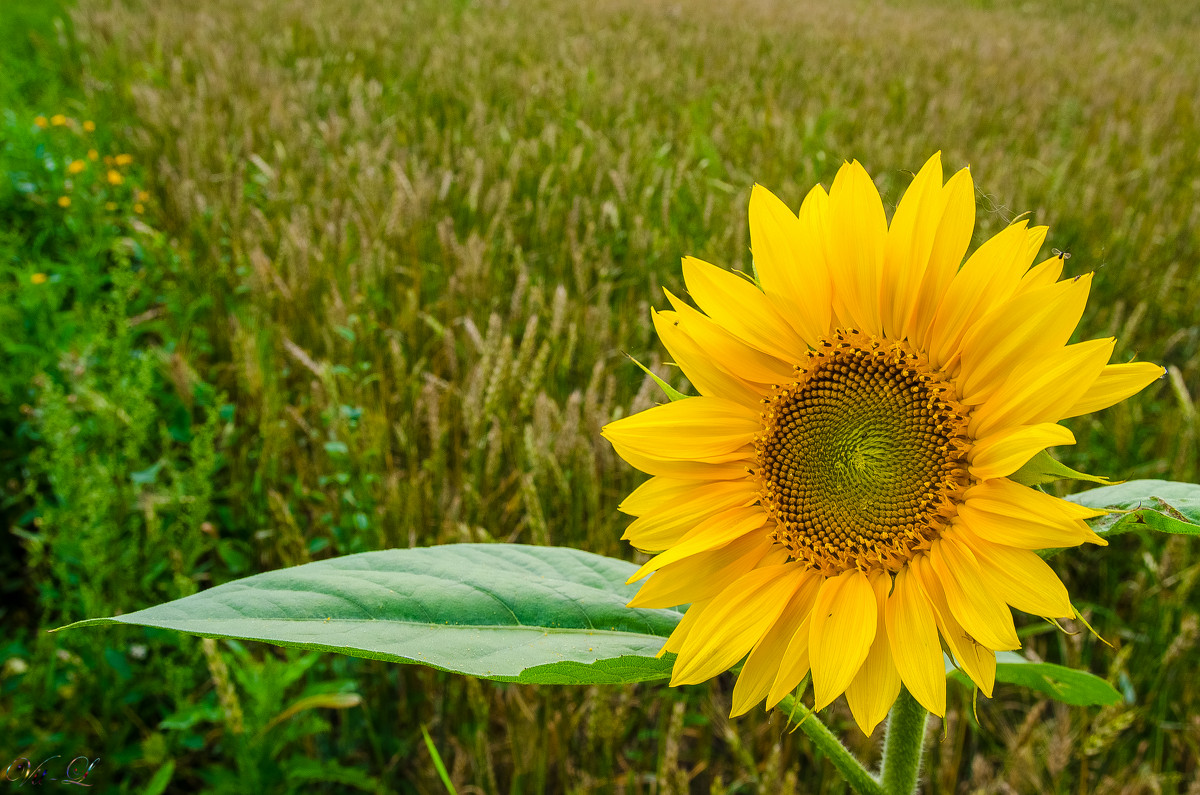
[(857, 776), (902, 745)]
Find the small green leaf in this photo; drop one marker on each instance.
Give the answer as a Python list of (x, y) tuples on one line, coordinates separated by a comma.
[(160, 780), (1163, 505), (671, 392), (1058, 682), (507, 612), (1042, 468), (318, 701), (147, 476), (438, 764)]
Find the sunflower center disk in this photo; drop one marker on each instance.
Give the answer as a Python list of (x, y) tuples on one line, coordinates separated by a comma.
[(863, 458)]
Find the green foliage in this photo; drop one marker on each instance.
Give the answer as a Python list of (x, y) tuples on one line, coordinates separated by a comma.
[(438, 764), (1044, 468), (506, 612), (1058, 682), (75, 261), (268, 725), (409, 247), (108, 451), (1145, 504), (37, 62)]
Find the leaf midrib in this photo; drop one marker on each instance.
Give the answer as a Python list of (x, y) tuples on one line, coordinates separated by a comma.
[(527, 627)]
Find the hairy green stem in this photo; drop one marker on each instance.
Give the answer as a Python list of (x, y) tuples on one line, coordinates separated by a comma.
[(846, 763), (902, 745)]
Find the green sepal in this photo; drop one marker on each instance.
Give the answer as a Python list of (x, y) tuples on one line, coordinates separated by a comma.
[(671, 392), (1042, 468)]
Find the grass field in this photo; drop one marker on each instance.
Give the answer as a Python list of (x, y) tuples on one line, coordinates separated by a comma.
[(369, 279)]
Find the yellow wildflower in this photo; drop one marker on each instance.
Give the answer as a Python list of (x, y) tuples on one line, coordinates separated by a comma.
[(124, 160), (64, 201), (114, 177), (39, 278), (76, 166), (58, 120), (41, 121), (89, 126)]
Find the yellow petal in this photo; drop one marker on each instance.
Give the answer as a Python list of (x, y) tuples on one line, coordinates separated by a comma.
[(790, 264), (703, 575), (1034, 239), (857, 233), (794, 665), (704, 372), (1004, 452), (737, 465), (913, 638), (910, 240), (699, 428), (1019, 577), (1043, 274), (738, 358), (840, 633), (954, 231), (684, 627), (741, 615), (1042, 392), (877, 683), (717, 531), (1116, 382), (664, 526), (763, 664), (1021, 330), (981, 612), (1023, 532), (656, 493), (978, 662), (1012, 499), (990, 276), (814, 230), (736, 304)]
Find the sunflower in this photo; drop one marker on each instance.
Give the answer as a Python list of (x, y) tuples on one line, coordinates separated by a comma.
[(839, 500)]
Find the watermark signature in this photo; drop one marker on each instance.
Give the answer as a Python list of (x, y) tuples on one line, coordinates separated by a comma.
[(21, 771)]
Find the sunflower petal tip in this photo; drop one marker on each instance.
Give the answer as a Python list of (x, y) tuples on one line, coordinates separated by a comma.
[(868, 727)]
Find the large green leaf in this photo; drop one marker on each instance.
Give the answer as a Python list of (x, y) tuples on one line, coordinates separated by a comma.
[(508, 612), (1162, 505), (1056, 681)]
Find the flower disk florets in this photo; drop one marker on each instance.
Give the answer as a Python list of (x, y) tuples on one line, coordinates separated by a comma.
[(863, 458)]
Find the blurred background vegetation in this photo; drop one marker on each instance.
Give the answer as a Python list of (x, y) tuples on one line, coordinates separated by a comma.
[(281, 281)]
